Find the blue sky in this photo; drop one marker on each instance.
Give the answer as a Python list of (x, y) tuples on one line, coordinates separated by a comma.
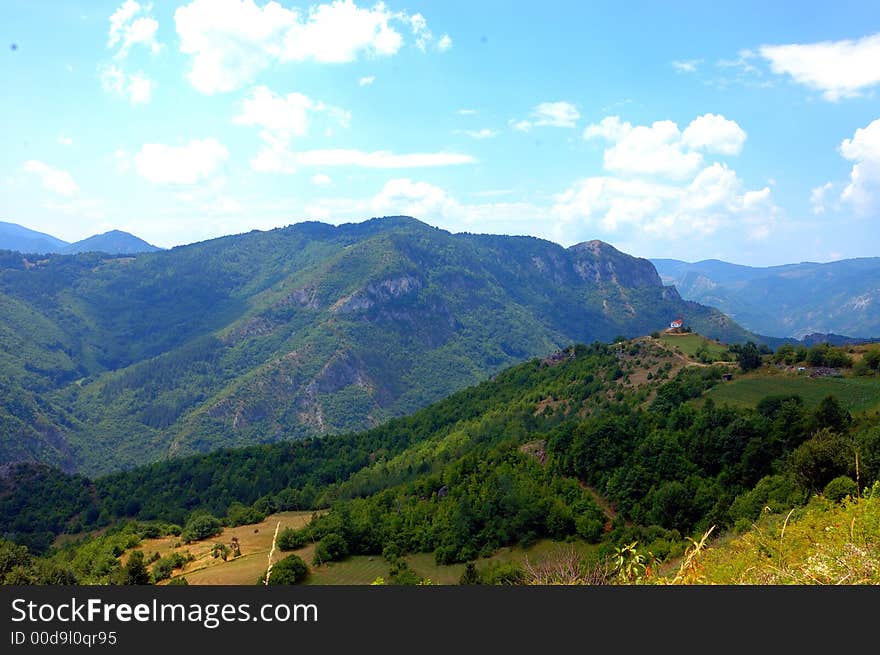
[(748, 132)]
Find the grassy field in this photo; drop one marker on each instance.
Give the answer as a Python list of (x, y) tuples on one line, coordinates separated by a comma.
[(823, 543), (362, 570), (254, 541), (857, 394), (690, 343)]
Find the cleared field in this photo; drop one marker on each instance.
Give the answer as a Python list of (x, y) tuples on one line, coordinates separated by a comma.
[(362, 570), (254, 541), (857, 394), (690, 343)]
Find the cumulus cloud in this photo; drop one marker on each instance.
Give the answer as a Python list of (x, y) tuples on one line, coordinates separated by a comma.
[(661, 148), (445, 43), (714, 199), (231, 41), (839, 69), (366, 81), (715, 134), (549, 114), (55, 180), (189, 164), (405, 197), (863, 189), (289, 114)]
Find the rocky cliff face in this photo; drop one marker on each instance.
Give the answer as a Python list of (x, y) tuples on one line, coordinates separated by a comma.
[(601, 263)]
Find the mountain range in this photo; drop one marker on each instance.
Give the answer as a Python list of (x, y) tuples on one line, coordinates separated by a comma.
[(22, 239), (794, 300), (108, 362)]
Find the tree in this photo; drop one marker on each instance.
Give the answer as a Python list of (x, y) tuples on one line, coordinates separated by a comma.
[(200, 527), (288, 571), (832, 414), (470, 575), (135, 571), (332, 547), (748, 356)]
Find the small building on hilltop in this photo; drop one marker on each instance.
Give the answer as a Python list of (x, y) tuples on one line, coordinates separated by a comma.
[(676, 324)]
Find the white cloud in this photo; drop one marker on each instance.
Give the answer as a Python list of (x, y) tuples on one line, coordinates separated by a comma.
[(264, 108), (232, 41), (367, 81), (839, 69), (686, 65), (713, 200), (484, 133), (55, 180), (65, 140), (549, 114), (196, 161), (661, 148), (644, 150), (321, 179), (135, 87), (408, 198), (445, 43), (466, 112), (863, 190), (282, 118), (818, 197), (714, 133), (128, 29), (610, 128)]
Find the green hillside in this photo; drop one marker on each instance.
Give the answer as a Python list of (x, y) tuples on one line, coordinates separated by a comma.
[(598, 444), (307, 330)]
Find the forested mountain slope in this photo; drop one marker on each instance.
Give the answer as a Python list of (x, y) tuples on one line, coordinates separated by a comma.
[(299, 331)]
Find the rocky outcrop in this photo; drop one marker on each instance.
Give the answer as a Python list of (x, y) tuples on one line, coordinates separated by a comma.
[(602, 264)]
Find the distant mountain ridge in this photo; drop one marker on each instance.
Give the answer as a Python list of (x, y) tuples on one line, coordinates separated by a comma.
[(298, 331), (115, 242), (793, 300)]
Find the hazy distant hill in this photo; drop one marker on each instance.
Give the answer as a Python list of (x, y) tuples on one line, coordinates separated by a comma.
[(794, 300), (17, 237), (114, 242), (298, 331), (21, 239)]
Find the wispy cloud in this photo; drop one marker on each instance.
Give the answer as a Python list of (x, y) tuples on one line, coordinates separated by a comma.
[(686, 65), (55, 180), (839, 69)]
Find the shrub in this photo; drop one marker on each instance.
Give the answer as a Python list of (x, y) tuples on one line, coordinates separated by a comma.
[(290, 539), (288, 571), (840, 487), (331, 548), (201, 527)]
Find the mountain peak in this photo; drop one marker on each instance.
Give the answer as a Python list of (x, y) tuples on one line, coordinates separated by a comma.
[(114, 242)]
